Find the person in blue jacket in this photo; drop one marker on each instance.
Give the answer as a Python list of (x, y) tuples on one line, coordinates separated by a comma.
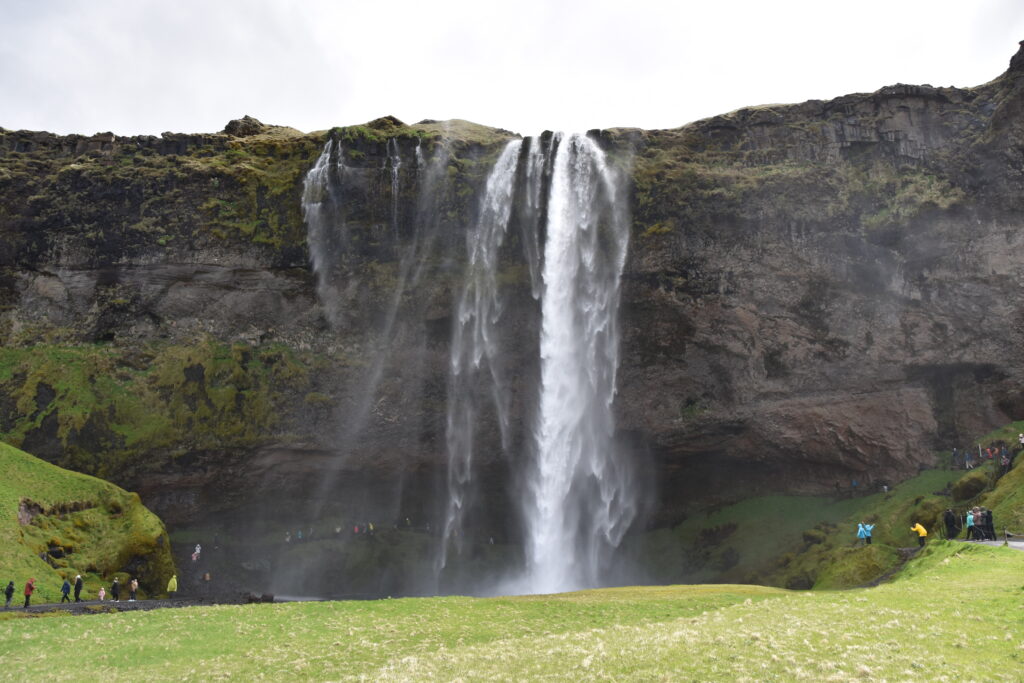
[(864, 532), (65, 591)]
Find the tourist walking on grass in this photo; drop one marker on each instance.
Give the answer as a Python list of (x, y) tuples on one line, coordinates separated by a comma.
[(65, 591), (78, 588), (29, 588), (864, 532), (172, 586), (133, 588), (9, 593), (921, 533), (115, 591)]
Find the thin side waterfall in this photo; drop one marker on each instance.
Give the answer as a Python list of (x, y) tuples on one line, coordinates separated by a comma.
[(394, 162), (322, 207), (474, 347), (581, 499), (536, 161)]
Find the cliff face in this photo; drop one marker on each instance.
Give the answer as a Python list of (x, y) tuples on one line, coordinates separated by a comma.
[(815, 294)]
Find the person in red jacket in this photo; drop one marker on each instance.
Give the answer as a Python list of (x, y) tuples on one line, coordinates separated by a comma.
[(29, 587)]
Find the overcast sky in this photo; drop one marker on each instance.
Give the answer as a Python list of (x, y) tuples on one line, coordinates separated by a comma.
[(143, 67)]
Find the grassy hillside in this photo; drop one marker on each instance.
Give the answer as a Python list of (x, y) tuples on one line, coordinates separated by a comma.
[(955, 615), (81, 524), (790, 540), (810, 541)]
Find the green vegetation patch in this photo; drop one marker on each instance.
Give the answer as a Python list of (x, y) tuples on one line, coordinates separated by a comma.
[(106, 406)]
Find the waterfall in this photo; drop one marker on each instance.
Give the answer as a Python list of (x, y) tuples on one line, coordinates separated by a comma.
[(394, 162), (532, 210), (321, 207), (563, 200), (474, 341), (580, 500)]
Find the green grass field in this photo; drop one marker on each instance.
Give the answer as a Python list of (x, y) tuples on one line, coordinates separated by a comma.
[(955, 614)]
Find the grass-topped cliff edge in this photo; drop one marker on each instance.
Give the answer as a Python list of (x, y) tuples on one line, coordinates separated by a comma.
[(954, 614), (80, 524)]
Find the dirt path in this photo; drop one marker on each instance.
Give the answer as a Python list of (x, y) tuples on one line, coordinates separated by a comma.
[(107, 606)]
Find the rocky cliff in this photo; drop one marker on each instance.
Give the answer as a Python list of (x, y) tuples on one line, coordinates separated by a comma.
[(815, 294)]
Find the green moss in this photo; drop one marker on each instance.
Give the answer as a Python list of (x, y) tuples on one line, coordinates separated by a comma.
[(174, 398), (971, 484)]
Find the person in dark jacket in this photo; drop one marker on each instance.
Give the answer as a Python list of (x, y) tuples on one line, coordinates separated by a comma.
[(29, 588), (9, 593), (65, 591), (115, 591), (950, 519), (987, 524), (78, 588)]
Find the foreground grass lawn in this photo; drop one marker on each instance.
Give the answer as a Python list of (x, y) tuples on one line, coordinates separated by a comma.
[(957, 614)]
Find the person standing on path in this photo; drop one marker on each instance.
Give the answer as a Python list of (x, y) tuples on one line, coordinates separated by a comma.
[(29, 588), (65, 591), (969, 536), (921, 533), (9, 593), (102, 595), (133, 588), (172, 586), (950, 519), (115, 591), (78, 588)]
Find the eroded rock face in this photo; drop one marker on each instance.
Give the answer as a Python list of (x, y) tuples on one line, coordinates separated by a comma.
[(815, 294)]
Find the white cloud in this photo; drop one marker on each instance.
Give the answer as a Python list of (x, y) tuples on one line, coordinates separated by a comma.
[(136, 67)]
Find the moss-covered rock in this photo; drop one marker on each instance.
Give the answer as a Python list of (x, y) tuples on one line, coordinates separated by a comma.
[(850, 567), (970, 485), (57, 524)]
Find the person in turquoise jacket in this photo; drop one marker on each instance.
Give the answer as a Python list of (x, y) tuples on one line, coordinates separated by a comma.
[(864, 532)]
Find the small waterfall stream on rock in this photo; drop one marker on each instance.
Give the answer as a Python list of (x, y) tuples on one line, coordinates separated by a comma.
[(475, 342)]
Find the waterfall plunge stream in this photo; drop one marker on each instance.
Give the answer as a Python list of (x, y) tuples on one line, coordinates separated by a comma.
[(579, 499)]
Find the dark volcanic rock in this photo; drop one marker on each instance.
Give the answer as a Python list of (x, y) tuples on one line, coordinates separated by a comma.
[(244, 127), (815, 293)]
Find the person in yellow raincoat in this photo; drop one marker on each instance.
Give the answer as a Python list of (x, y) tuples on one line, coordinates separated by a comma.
[(921, 533), (172, 586)]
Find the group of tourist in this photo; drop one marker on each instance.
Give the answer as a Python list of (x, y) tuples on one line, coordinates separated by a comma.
[(977, 523), (996, 452), (67, 588), (358, 529)]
